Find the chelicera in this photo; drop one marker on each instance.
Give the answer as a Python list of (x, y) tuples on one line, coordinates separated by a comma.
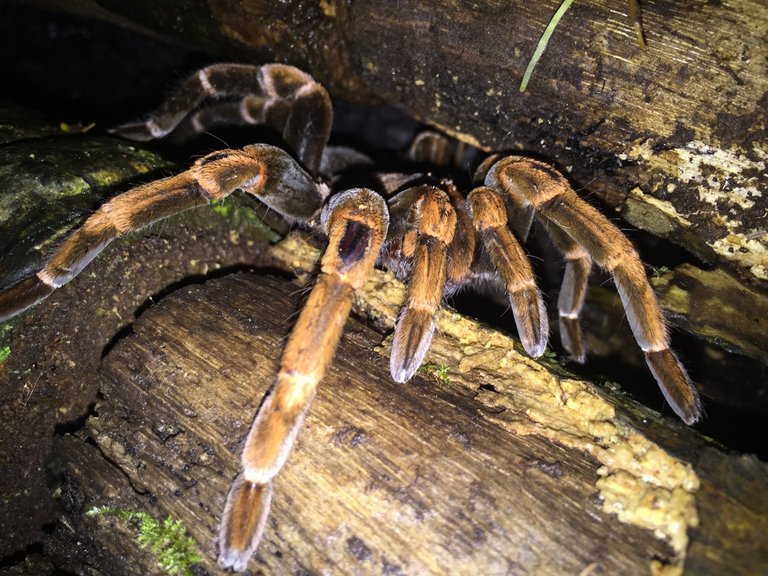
[(435, 238)]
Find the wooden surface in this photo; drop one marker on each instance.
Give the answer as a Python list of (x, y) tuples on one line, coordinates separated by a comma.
[(671, 135), (385, 476), (507, 469)]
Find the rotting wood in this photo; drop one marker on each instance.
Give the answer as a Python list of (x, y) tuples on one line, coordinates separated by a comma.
[(703, 300), (384, 475), (507, 469), (674, 133)]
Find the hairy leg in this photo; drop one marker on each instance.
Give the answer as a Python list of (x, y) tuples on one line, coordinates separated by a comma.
[(489, 214), (544, 188), (356, 224), (425, 222), (276, 95), (264, 171), (573, 290)]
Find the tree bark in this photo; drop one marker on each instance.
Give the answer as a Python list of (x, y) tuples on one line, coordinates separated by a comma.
[(672, 135), (504, 468)]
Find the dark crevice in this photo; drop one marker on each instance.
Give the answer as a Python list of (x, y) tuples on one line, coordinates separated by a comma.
[(488, 388), (19, 556), (187, 281), (75, 425), (147, 493)]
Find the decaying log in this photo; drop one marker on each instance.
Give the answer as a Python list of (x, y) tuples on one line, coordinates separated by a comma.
[(672, 135), (505, 467), (385, 476)]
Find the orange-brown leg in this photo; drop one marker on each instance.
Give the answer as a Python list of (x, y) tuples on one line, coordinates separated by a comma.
[(543, 187), (426, 228), (356, 224), (461, 252), (573, 290), (276, 95), (264, 171), (489, 215), (122, 214)]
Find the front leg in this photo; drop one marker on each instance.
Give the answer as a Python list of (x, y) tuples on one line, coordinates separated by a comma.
[(356, 224), (264, 171)]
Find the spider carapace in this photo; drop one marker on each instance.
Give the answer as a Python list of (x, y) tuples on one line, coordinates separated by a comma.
[(433, 237)]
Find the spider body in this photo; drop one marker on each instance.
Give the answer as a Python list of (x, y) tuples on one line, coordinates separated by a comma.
[(430, 234)]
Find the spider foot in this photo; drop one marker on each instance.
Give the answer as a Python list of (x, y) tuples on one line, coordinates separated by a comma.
[(424, 230), (571, 338), (245, 516), (356, 224), (410, 343), (138, 131), (489, 215), (675, 385), (23, 295)]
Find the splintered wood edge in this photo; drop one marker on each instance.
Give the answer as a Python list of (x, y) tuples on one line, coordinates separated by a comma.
[(638, 481)]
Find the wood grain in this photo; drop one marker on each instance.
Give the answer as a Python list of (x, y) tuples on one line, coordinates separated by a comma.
[(671, 135), (386, 478), (493, 473)]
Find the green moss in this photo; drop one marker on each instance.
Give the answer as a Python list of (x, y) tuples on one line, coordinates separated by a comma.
[(660, 271), (168, 540), (438, 373), (243, 216), (5, 349), (552, 361)]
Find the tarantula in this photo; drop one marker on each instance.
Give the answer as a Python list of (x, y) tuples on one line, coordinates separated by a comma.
[(422, 228)]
